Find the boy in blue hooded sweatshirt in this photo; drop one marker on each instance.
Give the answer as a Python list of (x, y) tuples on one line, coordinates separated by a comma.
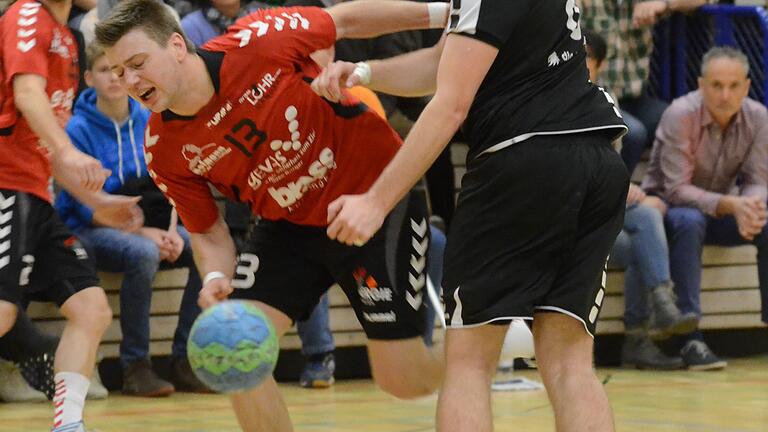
[(109, 126)]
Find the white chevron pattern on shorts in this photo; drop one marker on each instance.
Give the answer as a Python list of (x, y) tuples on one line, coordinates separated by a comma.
[(416, 274), (6, 214)]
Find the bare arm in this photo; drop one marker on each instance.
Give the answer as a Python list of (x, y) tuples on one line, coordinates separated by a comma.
[(214, 251), (72, 168), (354, 219), (364, 19), (685, 5)]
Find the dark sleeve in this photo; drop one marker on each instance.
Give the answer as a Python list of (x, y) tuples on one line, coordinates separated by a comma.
[(491, 21)]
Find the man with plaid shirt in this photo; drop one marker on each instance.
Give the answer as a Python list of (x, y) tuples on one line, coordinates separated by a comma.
[(627, 26)]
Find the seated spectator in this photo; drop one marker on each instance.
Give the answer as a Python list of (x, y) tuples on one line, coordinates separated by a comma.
[(109, 126), (628, 27), (710, 166), (213, 17), (641, 249), (87, 23)]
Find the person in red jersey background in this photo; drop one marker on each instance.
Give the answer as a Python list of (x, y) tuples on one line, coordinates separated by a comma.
[(39, 257)]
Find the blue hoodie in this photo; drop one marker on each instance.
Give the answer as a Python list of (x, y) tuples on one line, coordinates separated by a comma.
[(118, 147)]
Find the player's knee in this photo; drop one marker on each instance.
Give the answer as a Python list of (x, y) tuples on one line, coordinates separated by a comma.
[(89, 308), (8, 314), (407, 389)]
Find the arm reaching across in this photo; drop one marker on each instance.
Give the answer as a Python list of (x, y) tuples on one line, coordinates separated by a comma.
[(365, 19)]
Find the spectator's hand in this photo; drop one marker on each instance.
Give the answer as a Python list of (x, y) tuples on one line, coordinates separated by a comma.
[(158, 237), (119, 212), (635, 195), (333, 78), (354, 219), (85, 169), (214, 292), (646, 13), (751, 215), (657, 203), (175, 244)]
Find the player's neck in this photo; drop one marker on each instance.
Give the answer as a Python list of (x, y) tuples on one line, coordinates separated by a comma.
[(59, 9), (196, 91), (116, 110)]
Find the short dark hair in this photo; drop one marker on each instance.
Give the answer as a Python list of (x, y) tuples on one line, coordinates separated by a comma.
[(596, 46), (152, 16)]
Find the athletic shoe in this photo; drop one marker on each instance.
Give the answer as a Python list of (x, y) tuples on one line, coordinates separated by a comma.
[(697, 356), (666, 319), (140, 380), (38, 372), (13, 387), (639, 352), (318, 372)]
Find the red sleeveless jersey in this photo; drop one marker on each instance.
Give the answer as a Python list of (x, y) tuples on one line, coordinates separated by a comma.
[(33, 42), (265, 137)]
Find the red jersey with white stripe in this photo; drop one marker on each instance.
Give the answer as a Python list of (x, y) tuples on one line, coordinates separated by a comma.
[(33, 42), (265, 137)]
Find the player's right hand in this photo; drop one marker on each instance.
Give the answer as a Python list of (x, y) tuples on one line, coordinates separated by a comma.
[(333, 78), (87, 170), (214, 292)]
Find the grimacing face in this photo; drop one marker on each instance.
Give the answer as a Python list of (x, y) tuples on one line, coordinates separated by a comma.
[(148, 71), (724, 85)]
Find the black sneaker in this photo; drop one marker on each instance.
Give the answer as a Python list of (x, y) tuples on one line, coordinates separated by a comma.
[(697, 356), (666, 319), (639, 352), (318, 372), (38, 372), (140, 380)]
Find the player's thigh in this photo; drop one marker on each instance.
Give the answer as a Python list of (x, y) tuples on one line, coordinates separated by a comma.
[(275, 268)]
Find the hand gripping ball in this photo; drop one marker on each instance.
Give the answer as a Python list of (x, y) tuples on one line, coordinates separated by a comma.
[(232, 347)]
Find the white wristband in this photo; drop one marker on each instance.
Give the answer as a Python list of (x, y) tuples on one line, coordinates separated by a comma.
[(438, 14), (213, 275), (363, 71)]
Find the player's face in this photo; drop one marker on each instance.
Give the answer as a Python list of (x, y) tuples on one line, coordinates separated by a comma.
[(724, 86), (104, 81), (147, 70)]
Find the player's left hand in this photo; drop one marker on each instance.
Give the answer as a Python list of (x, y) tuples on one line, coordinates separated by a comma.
[(334, 77), (646, 13), (354, 219)]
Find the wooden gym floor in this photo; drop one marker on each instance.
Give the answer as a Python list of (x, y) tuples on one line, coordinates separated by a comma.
[(734, 400)]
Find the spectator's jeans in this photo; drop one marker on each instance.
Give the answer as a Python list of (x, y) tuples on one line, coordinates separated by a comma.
[(647, 111), (315, 332), (641, 248), (138, 258), (688, 230)]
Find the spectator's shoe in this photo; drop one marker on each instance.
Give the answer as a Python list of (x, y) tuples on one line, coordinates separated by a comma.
[(639, 352), (666, 319), (13, 387), (318, 372), (183, 379), (97, 390), (38, 372), (697, 356), (140, 380)]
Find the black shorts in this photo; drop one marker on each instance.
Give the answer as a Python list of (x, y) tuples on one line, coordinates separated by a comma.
[(289, 267), (533, 228), (40, 259)]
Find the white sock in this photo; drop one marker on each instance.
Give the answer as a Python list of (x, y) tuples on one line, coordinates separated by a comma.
[(69, 399)]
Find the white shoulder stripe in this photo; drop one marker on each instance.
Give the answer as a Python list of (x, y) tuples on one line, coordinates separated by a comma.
[(464, 16)]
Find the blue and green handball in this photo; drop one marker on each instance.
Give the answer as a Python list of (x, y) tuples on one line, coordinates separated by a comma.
[(232, 347)]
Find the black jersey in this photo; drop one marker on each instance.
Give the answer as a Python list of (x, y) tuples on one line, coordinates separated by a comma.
[(539, 82)]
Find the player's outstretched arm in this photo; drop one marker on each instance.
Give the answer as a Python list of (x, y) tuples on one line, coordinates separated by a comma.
[(411, 74), (30, 98), (214, 253), (364, 19)]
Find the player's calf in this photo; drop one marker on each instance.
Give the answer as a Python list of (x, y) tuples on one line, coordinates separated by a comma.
[(8, 313)]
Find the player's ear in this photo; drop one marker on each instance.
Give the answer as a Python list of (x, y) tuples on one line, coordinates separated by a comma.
[(179, 46)]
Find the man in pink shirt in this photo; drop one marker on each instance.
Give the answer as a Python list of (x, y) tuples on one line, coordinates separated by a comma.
[(710, 165)]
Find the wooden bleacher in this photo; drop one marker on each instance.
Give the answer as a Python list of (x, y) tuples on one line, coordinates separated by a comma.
[(730, 299)]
